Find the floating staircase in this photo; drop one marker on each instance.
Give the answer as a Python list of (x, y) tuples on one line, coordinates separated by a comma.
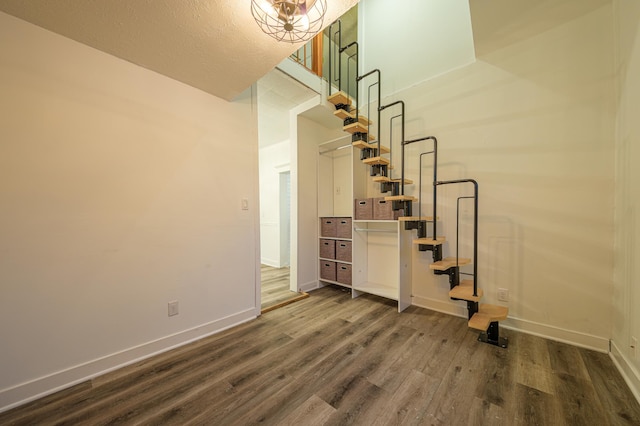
[(379, 158)]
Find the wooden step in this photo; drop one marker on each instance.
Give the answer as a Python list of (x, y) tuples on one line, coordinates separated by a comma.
[(448, 262), (430, 241), (364, 145), (370, 138), (486, 315), (464, 291), (400, 198), (376, 160), (356, 128), (343, 115), (415, 218), (339, 98), (386, 179)]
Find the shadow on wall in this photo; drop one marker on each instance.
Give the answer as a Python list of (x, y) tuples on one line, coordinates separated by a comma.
[(533, 122)]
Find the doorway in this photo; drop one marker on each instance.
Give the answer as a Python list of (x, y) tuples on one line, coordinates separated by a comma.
[(275, 280), (278, 94)]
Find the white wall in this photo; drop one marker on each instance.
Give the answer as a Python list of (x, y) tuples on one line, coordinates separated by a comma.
[(626, 296), (413, 40), (120, 192), (274, 160), (533, 123)]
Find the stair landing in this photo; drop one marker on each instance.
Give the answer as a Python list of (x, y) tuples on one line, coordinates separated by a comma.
[(486, 315)]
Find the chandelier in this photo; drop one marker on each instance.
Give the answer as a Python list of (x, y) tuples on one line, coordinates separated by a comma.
[(289, 20)]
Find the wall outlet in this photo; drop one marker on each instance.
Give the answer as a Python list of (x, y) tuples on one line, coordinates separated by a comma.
[(173, 308), (244, 204), (503, 294), (634, 347)]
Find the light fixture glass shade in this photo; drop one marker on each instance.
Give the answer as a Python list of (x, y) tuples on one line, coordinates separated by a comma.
[(289, 20)]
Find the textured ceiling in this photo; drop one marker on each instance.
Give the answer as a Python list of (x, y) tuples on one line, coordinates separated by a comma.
[(213, 45)]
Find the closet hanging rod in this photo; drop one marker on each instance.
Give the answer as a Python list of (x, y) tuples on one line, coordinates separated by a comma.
[(335, 149), (335, 140), (391, 231)]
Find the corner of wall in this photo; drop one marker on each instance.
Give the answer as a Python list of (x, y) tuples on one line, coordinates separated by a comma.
[(630, 375)]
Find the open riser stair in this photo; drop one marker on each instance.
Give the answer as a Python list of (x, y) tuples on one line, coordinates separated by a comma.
[(380, 159)]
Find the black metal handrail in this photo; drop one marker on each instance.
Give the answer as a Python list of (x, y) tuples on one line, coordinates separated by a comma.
[(369, 111), (475, 225), (391, 142), (380, 109), (435, 179), (361, 77), (331, 53), (349, 73), (458, 227), (420, 184)]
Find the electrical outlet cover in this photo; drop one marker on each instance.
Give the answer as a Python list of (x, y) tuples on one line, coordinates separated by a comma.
[(173, 308), (503, 294)]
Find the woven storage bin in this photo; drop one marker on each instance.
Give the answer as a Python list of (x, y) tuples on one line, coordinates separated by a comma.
[(383, 210), (328, 226), (343, 273), (364, 209), (328, 249), (343, 251), (327, 270), (343, 227)]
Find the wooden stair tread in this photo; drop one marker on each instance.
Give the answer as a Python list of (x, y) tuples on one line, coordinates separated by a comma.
[(356, 128), (364, 145), (400, 198), (370, 138), (448, 262), (415, 218), (430, 241), (339, 98), (376, 160), (383, 179), (486, 315), (464, 291), (343, 115)]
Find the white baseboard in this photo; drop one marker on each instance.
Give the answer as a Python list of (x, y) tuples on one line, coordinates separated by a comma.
[(270, 262), (575, 338), (626, 369), (34, 389), (600, 344), (449, 308), (310, 286)]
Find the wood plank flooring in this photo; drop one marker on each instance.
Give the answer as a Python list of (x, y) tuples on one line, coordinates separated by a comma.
[(274, 290), (333, 360)]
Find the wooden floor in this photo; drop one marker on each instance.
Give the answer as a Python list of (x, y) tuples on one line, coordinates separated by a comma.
[(275, 290), (332, 360)]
